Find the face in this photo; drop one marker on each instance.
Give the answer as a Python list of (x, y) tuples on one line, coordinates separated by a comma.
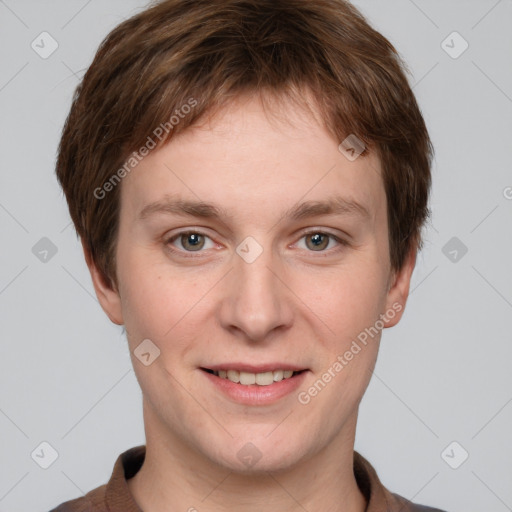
[(285, 269)]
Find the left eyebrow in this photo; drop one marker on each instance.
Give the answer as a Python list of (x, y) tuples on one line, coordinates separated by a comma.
[(333, 206)]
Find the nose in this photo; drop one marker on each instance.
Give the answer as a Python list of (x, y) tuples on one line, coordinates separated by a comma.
[(257, 301)]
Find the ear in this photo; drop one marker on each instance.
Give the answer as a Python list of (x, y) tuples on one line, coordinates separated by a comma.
[(108, 296), (398, 291)]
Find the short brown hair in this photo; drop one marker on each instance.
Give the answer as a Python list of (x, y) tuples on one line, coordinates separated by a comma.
[(152, 64)]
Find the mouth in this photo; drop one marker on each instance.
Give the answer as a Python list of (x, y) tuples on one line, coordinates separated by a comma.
[(246, 378), (255, 385)]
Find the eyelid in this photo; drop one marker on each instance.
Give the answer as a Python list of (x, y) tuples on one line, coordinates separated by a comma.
[(324, 231), (339, 239), (307, 231), (169, 239)]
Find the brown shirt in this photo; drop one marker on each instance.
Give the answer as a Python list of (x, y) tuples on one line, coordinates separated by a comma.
[(115, 496)]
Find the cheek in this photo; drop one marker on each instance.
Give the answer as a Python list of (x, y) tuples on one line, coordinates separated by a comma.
[(150, 301), (152, 312), (161, 305), (345, 300)]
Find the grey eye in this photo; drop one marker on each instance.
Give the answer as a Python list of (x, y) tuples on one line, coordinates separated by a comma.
[(192, 241)]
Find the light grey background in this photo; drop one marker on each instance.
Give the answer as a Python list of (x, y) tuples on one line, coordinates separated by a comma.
[(444, 371)]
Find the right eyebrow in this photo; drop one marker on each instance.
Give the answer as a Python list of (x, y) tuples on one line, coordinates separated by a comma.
[(183, 207)]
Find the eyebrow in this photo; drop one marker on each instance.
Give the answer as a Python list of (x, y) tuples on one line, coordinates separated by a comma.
[(332, 206)]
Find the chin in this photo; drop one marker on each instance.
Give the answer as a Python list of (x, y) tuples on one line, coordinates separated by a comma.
[(260, 455), (262, 466)]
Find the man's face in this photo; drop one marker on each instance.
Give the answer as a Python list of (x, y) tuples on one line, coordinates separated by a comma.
[(254, 289)]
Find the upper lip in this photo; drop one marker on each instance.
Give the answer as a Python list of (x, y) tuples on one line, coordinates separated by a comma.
[(252, 368)]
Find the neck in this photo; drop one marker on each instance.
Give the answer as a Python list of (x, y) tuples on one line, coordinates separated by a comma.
[(175, 476)]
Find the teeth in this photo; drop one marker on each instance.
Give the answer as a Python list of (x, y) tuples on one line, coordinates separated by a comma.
[(233, 376), (278, 375), (247, 378), (262, 379)]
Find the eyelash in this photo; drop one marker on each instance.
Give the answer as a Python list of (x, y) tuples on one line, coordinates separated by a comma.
[(190, 254)]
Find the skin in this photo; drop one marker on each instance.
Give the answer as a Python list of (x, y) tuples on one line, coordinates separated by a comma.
[(293, 304)]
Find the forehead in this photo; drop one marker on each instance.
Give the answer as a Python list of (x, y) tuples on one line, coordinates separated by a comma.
[(250, 157)]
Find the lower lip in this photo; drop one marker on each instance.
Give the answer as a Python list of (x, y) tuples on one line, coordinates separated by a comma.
[(255, 394)]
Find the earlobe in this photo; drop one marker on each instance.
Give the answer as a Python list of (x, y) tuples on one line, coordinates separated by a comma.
[(108, 297), (399, 290)]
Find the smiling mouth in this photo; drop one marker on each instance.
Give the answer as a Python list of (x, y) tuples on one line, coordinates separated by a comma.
[(248, 379)]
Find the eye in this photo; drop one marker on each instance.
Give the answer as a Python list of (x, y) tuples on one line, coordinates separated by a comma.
[(194, 241), (318, 241), (190, 241)]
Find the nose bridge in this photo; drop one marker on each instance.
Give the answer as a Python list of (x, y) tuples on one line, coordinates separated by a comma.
[(256, 301)]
